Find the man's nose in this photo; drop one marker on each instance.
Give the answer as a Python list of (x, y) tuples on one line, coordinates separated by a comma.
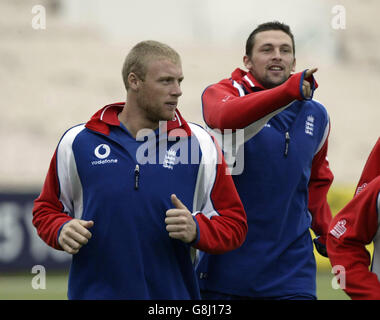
[(277, 54), (176, 90)]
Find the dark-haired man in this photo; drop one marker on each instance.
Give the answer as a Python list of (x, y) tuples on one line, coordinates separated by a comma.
[(285, 178)]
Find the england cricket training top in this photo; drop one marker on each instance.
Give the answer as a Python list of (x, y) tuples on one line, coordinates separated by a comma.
[(100, 172), (282, 177), (354, 227)]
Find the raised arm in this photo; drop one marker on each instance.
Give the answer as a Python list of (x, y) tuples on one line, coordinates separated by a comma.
[(226, 107)]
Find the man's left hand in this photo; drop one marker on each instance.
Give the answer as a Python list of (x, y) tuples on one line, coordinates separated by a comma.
[(179, 222)]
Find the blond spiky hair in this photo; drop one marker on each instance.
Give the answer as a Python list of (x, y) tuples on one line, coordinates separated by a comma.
[(139, 56)]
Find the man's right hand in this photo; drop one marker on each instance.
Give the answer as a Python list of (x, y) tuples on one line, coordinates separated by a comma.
[(74, 235), (306, 86)]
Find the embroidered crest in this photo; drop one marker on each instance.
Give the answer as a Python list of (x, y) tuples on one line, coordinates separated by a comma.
[(309, 125), (339, 229), (169, 160)]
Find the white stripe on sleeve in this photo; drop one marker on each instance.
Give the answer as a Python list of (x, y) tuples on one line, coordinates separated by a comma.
[(71, 194)]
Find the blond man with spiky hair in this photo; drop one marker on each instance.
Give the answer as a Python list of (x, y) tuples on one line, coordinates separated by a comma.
[(152, 75), (130, 220)]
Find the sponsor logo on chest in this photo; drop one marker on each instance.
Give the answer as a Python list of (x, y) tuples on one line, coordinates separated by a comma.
[(102, 152)]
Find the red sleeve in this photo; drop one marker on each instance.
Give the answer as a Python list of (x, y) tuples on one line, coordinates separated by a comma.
[(223, 108), (48, 215), (350, 231), (227, 230), (320, 181), (371, 169)]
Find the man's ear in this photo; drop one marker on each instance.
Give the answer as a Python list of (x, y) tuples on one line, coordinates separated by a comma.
[(133, 81), (247, 62)]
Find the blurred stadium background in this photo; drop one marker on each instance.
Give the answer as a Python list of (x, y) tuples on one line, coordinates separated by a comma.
[(54, 78)]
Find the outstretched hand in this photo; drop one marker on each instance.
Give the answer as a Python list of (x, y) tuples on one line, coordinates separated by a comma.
[(179, 222), (306, 86), (309, 72)]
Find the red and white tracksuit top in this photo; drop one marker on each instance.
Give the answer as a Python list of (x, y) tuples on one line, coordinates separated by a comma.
[(355, 226)]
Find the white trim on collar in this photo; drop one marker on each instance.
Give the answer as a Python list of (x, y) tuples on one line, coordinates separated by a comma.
[(249, 81)]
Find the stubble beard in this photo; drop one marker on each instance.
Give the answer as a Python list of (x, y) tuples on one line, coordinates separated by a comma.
[(270, 84), (154, 112)]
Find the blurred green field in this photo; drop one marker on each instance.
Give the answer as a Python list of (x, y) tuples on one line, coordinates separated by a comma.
[(325, 290), (19, 287)]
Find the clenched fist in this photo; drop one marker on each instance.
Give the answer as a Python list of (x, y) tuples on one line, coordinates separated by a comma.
[(179, 222), (74, 235)]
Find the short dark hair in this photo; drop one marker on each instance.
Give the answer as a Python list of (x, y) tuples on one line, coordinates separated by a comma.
[(267, 26)]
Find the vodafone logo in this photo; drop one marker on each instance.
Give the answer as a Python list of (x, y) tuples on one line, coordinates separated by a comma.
[(102, 151)]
